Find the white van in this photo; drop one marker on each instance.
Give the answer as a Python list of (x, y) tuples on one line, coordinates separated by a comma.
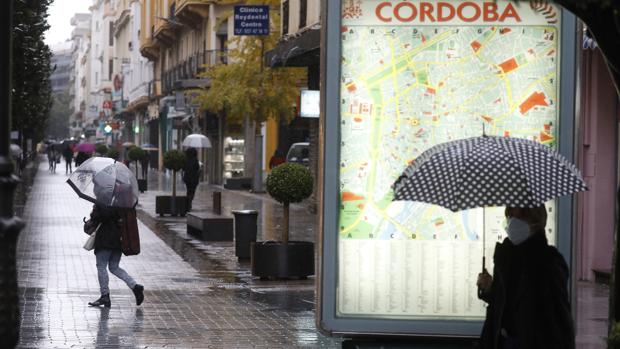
[(298, 152)]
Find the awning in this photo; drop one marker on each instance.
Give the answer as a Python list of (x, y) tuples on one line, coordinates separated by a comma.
[(301, 51), (175, 114)]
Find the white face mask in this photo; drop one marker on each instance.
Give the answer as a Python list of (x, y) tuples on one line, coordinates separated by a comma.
[(518, 230)]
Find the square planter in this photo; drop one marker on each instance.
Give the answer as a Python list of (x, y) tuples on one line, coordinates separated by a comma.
[(164, 205), (282, 261)]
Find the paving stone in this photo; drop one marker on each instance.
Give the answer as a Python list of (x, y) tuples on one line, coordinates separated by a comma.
[(212, 306)]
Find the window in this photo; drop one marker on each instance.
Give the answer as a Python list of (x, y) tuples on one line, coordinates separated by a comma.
[(96, 78), (111, 33), (285, 17), (110, 68), (303, 13)]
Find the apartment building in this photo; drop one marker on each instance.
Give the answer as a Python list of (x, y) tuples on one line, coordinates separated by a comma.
[(80, 64), (182, 38)]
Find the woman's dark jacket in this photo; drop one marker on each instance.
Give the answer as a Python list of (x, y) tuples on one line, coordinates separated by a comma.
[(529, 297), (191, 171), (109, 235)]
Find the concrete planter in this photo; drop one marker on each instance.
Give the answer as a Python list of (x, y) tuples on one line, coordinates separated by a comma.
[(283, 261), (165, 205)]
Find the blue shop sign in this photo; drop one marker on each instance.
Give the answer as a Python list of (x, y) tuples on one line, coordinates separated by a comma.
[(252, 20)]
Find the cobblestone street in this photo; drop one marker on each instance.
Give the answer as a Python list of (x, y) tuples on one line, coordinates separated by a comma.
[(196, 297)]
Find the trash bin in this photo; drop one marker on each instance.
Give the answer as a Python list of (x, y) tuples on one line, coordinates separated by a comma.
[(245, 231)]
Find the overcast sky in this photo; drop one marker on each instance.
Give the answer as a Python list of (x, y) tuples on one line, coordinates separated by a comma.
[(60, 13)]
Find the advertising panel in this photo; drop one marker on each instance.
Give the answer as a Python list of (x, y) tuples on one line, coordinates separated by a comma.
[(414, 74)]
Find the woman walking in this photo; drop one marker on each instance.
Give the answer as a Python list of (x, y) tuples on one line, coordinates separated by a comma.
[(108, 253)]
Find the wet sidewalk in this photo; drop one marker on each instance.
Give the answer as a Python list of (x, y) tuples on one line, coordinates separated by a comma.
[(197, 295), (192, 301), (592, 305)]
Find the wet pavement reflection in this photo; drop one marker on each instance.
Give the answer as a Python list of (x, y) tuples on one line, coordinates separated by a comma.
[(197, 295)]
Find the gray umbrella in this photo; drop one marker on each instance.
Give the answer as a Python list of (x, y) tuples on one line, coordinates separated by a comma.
[(106, 182), (488, 171)]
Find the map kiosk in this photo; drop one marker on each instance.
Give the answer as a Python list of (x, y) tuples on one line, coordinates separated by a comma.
[(398, 78)]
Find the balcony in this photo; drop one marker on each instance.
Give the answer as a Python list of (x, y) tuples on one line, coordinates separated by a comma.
[(185, 75), (149, 49), (192, 12), (165, 30)]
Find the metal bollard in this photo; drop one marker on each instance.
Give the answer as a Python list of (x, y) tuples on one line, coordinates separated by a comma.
[(245, 231), (217, 202)]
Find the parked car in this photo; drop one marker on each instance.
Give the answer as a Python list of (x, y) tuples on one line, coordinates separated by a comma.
[(298, 152)]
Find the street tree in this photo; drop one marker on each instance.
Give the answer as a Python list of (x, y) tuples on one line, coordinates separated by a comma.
[(246, 90), (32, 93), (24, 23)]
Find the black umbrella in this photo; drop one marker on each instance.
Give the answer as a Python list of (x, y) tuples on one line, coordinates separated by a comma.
[(488, 171)]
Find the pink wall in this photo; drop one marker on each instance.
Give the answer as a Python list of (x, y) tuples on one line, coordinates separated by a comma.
[(597, 159)]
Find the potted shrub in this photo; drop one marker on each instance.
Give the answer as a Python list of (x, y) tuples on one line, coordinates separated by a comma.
[(101, 149), (136, 154), (174, 160), (113, 153), (287, 183)]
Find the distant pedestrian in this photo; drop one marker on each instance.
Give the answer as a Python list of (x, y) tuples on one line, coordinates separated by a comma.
[(144, 163), (108, 252), (191, 175), (527, 294), (276, 159), (52, 153), (67, 153), (80, 158)]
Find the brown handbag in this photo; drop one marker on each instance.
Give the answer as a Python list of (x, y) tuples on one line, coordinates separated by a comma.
[(130, 237)]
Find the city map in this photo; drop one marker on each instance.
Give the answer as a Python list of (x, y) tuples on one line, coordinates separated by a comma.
[(406, 87)]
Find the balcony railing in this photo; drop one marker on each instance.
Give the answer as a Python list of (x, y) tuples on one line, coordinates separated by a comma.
[(192, 67)]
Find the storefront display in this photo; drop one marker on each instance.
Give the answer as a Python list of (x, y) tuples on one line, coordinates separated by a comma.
[(233, 157)]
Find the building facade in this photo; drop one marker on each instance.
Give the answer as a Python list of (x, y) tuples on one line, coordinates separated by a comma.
[(183, 38), (299, 46), (61, 62), (80, 79)]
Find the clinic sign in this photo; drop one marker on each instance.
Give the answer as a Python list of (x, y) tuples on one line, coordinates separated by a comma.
[(406, 76), (251, 20), (449, 12)]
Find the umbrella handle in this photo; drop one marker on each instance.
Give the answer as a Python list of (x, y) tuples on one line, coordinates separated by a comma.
[(484, 260)]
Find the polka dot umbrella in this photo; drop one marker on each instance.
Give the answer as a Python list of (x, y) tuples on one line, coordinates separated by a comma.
[(488, 171)]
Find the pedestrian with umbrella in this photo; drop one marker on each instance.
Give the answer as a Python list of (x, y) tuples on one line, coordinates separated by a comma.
[(191, 175), (191, 171), (84, 151), (113, 190), (527, 294), (67, 153)]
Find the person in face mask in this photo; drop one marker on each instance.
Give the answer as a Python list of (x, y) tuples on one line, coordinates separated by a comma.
[(527, 296)]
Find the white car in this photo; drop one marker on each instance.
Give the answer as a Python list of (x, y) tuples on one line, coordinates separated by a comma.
[(298, 152)]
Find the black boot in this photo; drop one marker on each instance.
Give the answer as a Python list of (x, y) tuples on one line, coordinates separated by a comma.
[(138, 291), (103, 300)]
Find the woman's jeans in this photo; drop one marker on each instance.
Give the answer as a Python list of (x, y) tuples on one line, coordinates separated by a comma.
[(110, 259)]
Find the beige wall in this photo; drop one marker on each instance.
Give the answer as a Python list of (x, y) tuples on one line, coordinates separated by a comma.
[(313, 14)]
